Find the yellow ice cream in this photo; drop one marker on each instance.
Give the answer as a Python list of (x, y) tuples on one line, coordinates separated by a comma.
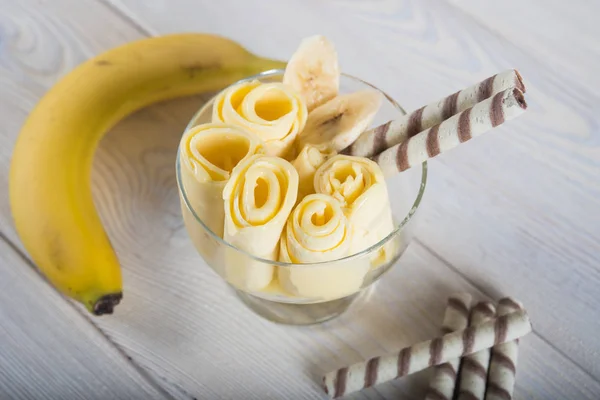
[(359, 185), (258, 199), (306, 163), (207, 155), (316, 232), (273, 111)]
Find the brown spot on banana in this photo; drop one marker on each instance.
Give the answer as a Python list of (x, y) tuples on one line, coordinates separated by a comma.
[(103, 63), (55, 249), (334, 120), (194, 69)]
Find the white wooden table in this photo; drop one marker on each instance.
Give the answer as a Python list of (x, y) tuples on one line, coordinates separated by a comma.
[(516, 213)]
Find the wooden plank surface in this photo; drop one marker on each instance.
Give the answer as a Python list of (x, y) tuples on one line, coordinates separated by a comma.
[(492, 231), (564, 34), (49, 350)]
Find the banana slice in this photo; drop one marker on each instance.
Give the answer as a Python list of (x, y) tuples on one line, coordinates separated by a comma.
[(340, 121), (313, 71)]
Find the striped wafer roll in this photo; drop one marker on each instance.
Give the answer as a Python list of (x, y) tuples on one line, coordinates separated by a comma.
[(426, 354), (376, 140), (474, 367), (456, 317), (470, 123), (503, 364)]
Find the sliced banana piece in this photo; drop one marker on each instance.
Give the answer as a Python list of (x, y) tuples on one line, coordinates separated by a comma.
[(313, 71), (340, 121)]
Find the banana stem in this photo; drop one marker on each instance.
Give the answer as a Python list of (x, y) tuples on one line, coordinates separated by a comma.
[(107, 303)]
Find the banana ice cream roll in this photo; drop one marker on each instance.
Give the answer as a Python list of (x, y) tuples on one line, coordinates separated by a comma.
[(273, 111), (358, 184), (208, 154), (311, 157), (318, 231), (258, 199)]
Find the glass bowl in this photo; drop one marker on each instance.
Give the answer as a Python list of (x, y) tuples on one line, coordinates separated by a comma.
[(343, 282)]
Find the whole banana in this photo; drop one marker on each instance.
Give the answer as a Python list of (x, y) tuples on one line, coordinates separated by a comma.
[(50, 191)]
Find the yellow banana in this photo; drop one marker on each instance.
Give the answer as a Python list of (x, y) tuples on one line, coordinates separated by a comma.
[(50, 192)]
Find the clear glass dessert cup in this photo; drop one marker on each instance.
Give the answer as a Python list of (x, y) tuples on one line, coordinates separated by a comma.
[(331, 286)]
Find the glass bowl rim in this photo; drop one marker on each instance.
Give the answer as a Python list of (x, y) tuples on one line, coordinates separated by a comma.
[(396, 231)]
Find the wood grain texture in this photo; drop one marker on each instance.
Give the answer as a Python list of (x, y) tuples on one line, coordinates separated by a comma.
[(48, 350), (514, 211), (563, 34), (515, 230)]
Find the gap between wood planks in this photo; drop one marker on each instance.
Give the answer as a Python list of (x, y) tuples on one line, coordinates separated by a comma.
[(480, 23), (145, 31)]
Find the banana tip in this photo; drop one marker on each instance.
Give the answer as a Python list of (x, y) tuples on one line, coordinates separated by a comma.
[(107, 303)]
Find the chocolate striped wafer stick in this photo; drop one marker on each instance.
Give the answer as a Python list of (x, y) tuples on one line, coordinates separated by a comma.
[(474, 367), (456, 317), (503, 364), (473, 122), (426, 354), (376, 140)]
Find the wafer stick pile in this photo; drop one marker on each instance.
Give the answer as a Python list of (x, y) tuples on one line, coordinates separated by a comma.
[(442, 125), (475, 358), (487, 374)]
